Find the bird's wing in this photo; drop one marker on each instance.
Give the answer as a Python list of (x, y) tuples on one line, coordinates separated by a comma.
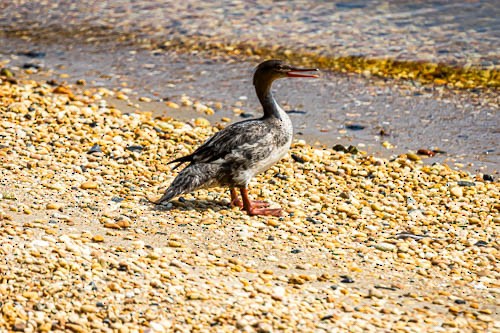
[(236, 138)]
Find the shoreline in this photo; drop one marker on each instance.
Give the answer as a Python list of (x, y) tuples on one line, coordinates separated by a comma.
[(365, 242), (380, 108)]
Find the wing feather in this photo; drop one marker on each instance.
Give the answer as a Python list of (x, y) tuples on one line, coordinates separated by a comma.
[(231, 139)]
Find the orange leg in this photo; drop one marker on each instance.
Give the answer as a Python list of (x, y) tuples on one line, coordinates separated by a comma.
[(236, 202), (255, 208)]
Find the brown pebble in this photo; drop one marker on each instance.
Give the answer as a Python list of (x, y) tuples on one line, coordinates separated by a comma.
[(98, 238), (90, 185), (426, 152)]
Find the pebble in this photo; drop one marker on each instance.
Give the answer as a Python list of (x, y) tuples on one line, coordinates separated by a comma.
[(457, 191), (90, 185), (53, 205), (386, 247), (98, 238)]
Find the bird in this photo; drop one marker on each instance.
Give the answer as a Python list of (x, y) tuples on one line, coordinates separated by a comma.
[(237, 153)]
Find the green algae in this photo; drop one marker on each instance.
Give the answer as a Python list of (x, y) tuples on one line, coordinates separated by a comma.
[(462, 77)]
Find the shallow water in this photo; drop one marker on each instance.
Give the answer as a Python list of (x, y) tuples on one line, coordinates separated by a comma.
[(455, 32), (463, 124)]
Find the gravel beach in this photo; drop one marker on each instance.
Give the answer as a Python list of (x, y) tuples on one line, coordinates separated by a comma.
[(365, 245), (96, 97)]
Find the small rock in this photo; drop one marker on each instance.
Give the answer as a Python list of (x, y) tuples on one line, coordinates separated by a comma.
[(465, 183), (346, 279), (87, 308), (298, 159), (90, 185), (488, 178), (375, 293), (354, 127), (172, 105), (484, 318), (201, 122), (94, 149), (6, 72), (264, 328), (456, 191), (173, 243), (426, 152), (33, 54), (388, 247), (53, 205), (135, 148), (62, 90), (278, 293), (339, 147), (19, 327), (352, 150), (413, 157), (98, 239)]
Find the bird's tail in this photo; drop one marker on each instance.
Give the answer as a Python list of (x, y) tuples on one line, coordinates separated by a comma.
[(191, 178)]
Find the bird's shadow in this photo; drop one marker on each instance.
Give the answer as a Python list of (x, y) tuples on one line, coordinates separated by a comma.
[(196, 205)]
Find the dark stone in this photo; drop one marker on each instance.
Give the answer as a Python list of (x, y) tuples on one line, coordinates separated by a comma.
[(295, 251), (384, 132), (298, 159), (355, 127), (182, 199), (136, 148), (117, 199), (313, 221), (339, 147), (270, 238), (327, 317), (439, 151), (481, 243), (30, 66), (93, 124), (346, 279), (352, 150), (488, 178), (33, 54), (459, 301), (281, 176), (465, 183), (350, 5), (95, 149), (93, 285), (122, 268), (296, 112), (99, 304)]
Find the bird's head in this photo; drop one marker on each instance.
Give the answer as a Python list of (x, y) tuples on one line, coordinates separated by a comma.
[(271, 70)]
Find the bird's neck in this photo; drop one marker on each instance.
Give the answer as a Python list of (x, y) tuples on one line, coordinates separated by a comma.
[(269, 104)]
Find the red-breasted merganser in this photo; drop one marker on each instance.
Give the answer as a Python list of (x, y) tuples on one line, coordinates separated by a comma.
[(234, 155)]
